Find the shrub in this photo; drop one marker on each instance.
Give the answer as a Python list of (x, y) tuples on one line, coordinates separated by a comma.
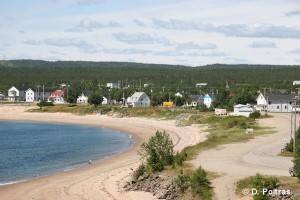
[(200, 184), (158, 151), (45, 103), (139, 172), (289, 146), (179, 158), (255, 115), (296, 160), (258, 182), (183, 181)]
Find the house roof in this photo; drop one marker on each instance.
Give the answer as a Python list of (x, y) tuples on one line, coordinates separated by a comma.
[(137, 95), (24, 88), (196, 97), (57, 93), (280, 97)]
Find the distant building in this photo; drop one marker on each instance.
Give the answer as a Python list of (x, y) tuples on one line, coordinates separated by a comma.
[(296, 82), (113, 85), (21, 94), (1, 97), (275, 102), (104, 102), (83, 97), (139, 99), (201, 84), (178, 94), (242, 110), (57, 96)]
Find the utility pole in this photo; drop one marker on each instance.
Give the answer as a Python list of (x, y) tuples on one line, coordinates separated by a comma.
[(43, 92)]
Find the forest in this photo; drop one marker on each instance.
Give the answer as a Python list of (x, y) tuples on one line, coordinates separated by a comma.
[(169, 78)]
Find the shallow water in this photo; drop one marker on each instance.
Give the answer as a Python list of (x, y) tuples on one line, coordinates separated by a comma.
[(29, 149)]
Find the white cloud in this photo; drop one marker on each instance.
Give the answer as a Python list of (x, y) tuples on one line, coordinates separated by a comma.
[(262, 44), (141, 38), (237, 30), (292, 13), (194, 46), (89, 25), (89, 2), (295, 51)]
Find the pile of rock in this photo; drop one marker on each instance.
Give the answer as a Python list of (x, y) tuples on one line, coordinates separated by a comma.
[(159, 185)]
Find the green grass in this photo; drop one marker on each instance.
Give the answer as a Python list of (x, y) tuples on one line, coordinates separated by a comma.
[(258, 182)]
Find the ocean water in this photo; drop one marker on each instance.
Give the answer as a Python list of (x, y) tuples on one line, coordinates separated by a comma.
[(30, 150)]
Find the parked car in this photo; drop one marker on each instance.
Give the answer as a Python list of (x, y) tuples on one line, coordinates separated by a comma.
[(292, 171)]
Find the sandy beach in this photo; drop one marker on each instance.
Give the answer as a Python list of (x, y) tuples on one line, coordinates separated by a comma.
[(101, 180)]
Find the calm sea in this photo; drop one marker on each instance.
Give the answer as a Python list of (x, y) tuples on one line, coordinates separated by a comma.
[(29, 149)]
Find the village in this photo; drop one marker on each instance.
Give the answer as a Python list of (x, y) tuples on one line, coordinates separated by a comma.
[(267, 102)]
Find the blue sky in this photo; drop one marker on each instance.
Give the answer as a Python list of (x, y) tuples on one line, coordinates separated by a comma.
[(184, 32)]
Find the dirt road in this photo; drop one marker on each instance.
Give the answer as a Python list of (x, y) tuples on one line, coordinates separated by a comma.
[(260, 155)]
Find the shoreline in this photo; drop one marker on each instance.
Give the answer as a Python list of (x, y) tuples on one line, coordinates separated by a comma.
[(73, 166), (102, 180)]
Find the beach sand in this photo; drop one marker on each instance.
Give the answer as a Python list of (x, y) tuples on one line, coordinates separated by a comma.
[(103, 180)]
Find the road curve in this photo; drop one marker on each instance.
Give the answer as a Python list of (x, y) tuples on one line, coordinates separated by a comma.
[(239, 160)]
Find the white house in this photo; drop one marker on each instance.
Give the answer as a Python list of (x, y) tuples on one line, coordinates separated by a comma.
[(207, 101), (13, 94), (178, 94), (104, 102), (244, 110), (296, 82), (29, 94), (57, 96), (112, 85), (83, 98), (261, 103), (275, 102), (139, 99), (21, 94)]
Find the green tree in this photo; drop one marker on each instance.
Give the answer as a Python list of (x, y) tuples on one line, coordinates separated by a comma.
[(158, 151), (296, 160), (95, 99)]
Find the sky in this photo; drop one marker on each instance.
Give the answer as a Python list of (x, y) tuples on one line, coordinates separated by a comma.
[(181, 32)]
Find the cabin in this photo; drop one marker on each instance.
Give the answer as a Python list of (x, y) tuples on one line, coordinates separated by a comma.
[(242, 110), (178, 94), (138, 99), (29, 95)]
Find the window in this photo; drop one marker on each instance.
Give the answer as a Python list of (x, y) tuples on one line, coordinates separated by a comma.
[(277, 107), (285, 107), (269, 102)]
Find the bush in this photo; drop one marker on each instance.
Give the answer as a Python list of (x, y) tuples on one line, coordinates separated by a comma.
[(255, 115), (258, 182), (158, 151), (139, 172), (179, 158), (183, 181), (200, 184), (296, 160), (289, 146), (45, 103)]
